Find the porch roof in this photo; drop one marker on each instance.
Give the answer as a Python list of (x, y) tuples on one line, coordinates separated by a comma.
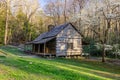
[(44, 40)]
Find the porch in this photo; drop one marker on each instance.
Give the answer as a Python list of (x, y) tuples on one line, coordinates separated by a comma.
[(47, 48)]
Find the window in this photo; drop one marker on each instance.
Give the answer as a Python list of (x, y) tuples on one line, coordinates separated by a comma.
[(70, 45)]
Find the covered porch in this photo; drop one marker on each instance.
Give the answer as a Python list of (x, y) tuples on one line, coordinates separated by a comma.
[(47, 47)]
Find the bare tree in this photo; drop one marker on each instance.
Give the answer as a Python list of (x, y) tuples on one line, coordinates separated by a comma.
[(65, 4), (103, 18), (7, 18)]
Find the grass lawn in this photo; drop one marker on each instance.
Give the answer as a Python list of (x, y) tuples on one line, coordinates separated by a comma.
[(15, 65)]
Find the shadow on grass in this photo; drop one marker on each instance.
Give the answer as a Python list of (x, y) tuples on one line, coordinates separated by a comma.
[(95, 65), (97, 68)]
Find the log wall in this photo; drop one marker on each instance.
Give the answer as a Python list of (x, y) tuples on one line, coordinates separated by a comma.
[(65, 37)]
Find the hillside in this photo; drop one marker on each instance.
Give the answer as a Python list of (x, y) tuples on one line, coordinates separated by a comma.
[(15, 65)]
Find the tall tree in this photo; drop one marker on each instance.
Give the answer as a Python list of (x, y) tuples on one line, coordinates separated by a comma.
[(2, 20), (65, 5), (7, 19), (101, 22)]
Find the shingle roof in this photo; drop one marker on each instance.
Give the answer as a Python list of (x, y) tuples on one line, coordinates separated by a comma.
[(41, 36), (44, 40), (47, 36), (55, 31)]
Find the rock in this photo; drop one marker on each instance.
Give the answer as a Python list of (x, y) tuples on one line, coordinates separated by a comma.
[(30, 62)]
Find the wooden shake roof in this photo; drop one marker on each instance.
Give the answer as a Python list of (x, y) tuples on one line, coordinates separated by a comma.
[(47, 36)]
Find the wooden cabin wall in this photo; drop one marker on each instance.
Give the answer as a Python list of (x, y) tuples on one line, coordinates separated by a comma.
[(41, 48), (65, 37), (51, 46)]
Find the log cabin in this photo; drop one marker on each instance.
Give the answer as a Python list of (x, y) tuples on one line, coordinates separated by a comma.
[(60, 41)]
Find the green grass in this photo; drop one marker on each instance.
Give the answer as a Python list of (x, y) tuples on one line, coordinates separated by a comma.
[(14, 66)]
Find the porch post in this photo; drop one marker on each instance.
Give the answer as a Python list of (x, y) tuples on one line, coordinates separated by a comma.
[(44, 48), (38, 48), (33, 47)]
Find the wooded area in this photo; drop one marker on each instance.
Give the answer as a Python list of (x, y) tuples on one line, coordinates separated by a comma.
[(59, 39), (98, 21)]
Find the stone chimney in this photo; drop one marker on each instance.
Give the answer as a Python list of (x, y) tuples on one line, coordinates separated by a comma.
[(50, 27)]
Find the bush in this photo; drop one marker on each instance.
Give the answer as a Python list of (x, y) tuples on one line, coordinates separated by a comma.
[(93, 49), (115, 52)]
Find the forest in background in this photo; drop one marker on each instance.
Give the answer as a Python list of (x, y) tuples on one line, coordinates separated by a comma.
[(98, 21)]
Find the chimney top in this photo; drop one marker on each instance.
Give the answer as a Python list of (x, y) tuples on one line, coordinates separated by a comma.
[(50, 27)]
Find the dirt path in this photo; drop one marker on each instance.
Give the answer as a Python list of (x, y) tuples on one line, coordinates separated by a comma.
[(108, 60)]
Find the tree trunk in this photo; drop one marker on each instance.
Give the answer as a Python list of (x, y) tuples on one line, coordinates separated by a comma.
[(103, 54), (65, 12), (6, 25), (105, 39), (26, 24)]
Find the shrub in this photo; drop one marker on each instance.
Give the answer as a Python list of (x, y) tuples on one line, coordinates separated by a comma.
[(93, 49)]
